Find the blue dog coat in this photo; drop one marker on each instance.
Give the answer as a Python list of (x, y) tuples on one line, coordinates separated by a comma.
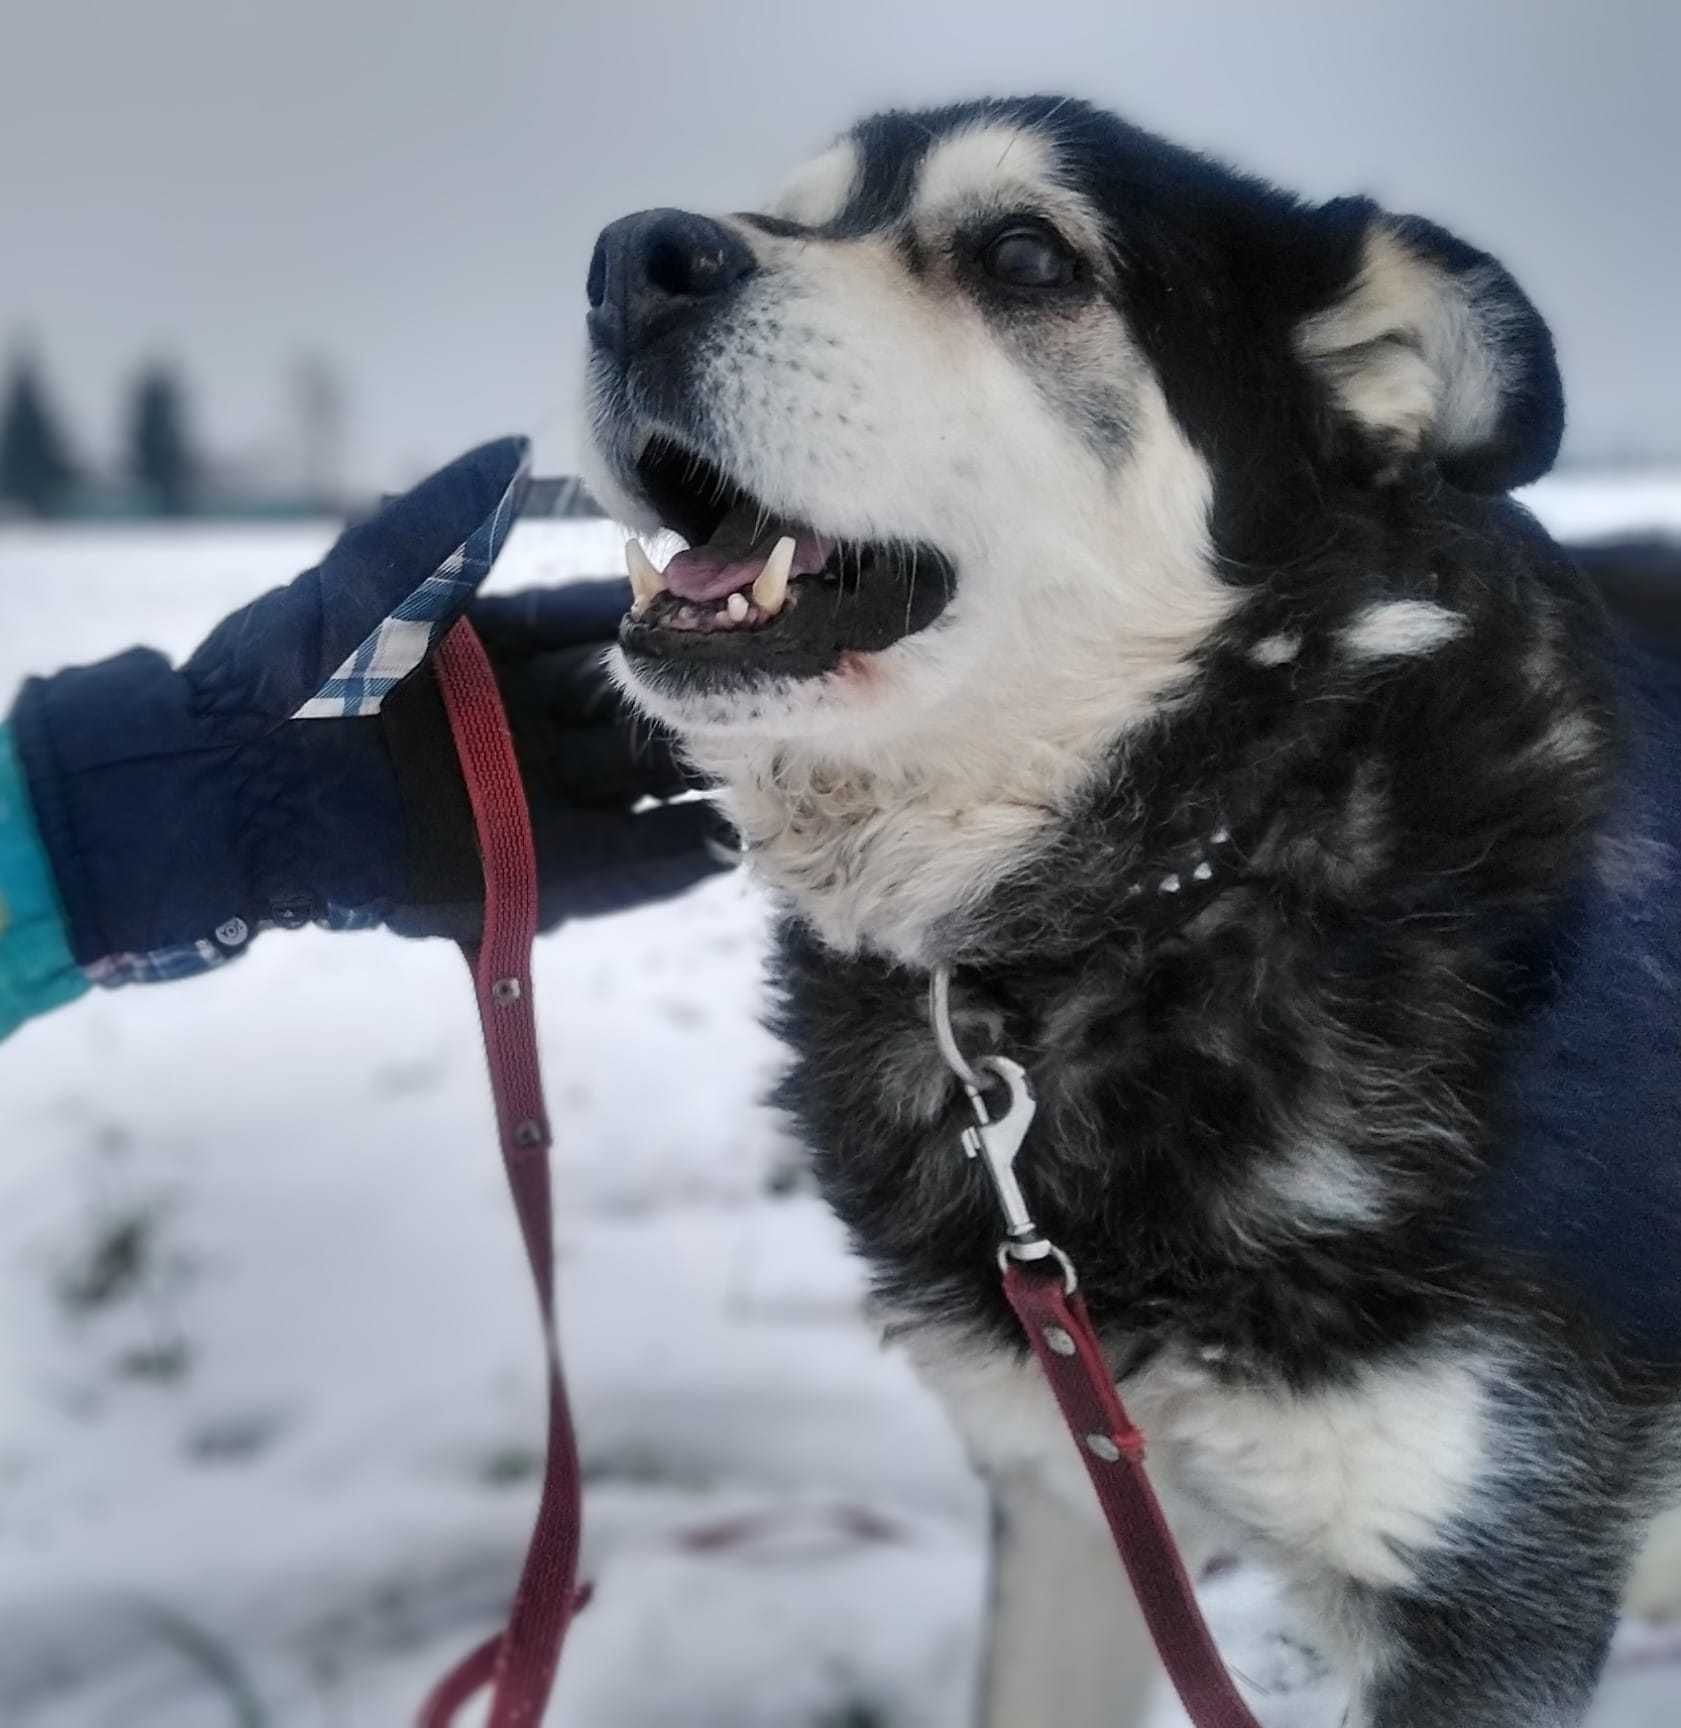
[(1588, 1187)]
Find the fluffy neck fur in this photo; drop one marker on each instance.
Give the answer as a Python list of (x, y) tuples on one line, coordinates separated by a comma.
[(881, 855)]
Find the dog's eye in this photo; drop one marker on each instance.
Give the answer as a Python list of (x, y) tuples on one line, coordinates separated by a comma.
[(1028, 258)]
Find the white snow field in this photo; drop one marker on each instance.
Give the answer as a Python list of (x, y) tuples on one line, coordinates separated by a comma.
[(270, 1378)]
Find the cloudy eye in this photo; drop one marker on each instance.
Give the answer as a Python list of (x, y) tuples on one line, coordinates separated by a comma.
[(1028, 258)]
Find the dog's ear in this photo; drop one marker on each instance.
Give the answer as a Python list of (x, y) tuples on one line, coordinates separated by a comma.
[(1430, 347)]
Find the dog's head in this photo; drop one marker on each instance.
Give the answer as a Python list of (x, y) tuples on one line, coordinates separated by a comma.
[(1010, 390)]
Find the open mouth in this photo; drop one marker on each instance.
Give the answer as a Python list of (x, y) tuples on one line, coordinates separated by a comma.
[(758, 592)]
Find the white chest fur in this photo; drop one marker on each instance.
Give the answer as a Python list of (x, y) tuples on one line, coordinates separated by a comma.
[(1357, 1480), (883, 857)]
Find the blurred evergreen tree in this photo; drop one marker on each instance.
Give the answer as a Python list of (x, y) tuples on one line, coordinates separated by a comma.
[(36, 468), (161, 456), (318, 400)]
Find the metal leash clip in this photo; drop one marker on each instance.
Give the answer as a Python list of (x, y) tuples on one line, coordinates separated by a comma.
[(995, 1141)]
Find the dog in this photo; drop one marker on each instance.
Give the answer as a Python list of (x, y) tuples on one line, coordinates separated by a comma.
[(1100, 582)]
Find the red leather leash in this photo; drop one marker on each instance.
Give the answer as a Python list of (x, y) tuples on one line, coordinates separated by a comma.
[(519, 1663), (1041, 1285), (1057, 1326)]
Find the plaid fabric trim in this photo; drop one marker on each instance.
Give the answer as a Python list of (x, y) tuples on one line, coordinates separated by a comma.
[(161, 966), (406, 636), (338, 917), (188, 959), (396, 647)]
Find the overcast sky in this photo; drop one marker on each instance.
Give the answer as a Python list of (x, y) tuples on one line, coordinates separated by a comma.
[(413, 189)]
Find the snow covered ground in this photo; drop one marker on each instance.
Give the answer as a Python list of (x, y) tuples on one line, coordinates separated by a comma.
[(270, 1389)]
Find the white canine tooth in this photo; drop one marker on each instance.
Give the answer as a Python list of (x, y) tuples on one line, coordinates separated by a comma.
[(645, 580), (770, 588), (736, 606)]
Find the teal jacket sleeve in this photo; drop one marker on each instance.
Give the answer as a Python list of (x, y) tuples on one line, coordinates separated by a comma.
[(36, 968)]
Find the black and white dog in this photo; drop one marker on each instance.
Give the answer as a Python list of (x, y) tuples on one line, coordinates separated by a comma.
[(1099, 581)]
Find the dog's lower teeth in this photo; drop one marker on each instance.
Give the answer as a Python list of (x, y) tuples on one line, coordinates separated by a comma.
[(736, 606)]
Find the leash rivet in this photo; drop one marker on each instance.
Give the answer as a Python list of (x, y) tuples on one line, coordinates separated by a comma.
[(1103, 1447), (504, 991), (1060, 1339), (529, 1132), (233, 932)]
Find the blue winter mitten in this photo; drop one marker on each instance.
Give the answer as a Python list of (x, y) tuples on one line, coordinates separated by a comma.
[(295, 768)]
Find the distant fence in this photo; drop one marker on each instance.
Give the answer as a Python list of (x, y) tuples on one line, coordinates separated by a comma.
[(557, 497)]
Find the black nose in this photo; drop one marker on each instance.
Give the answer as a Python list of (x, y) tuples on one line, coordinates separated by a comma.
[(656, 268)]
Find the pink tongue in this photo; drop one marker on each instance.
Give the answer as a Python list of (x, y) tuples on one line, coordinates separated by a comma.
[(703, 574), (711, 572)]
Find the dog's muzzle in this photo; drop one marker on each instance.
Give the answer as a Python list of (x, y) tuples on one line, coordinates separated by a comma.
[(759, 590)]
